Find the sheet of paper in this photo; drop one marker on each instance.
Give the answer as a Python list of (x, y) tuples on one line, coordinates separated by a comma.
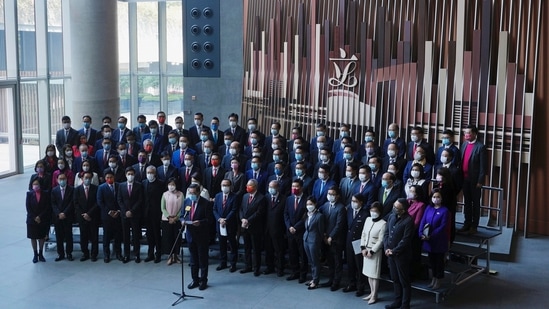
[(356, 246), (222, 230)]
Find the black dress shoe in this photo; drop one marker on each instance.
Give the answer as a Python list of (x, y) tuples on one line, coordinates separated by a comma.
[(326, 284), (149, 258), (69, 257), (280, 274), (232, 269), (221, 267), (35, 258), (120, 257), (125, 260), (203, 286), (59, 258), (193, 284), (268, 271), (393, 306), (292, 277), (334, 287), (84, 258), (246, 270), (41, 257), (138, 260), (157, 259), (312, 286), (349, 288), (94, 259), (107, 259), (257, 273), (302, 279)]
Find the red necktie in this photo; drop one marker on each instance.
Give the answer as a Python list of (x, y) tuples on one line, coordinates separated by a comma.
[(193, 208), (188, 173), (296, 202), (214, 172), (250, 199), (86, 189), (362, 187), (224, 201)]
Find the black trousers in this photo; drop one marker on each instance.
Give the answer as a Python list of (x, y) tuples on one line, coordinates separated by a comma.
[(154, 236), (170, 233), (436, 261), (471, 197), (252, 242), (89, 232), (354, 267), (63, 233), (199, 259), (399, 267), (112, 229), (230, 239), (275, 251), (296, 253), (335, 261), (131, 234)]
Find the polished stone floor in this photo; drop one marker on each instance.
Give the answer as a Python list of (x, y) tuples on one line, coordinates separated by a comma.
[(520, 282)]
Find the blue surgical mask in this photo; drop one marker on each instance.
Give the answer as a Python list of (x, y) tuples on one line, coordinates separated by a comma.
[(445, 141), (384, 183), (298, 156), (255, 166), (193, 197), (392, 134), (154, 131), (142, 125), (347, 156), (121, 125), (274, 131), (278, 172), (203, 138), (87, 125), (62, 183), (214, 126), (107, 146), (299, 172), (172, 140)]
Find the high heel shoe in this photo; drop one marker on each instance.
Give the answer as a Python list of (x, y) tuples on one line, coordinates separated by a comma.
[(372, 301), (176, 259), (170, 260), (367, 297), (436, 285)]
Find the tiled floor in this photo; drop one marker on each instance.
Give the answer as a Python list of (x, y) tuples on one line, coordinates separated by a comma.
[(520, 283)]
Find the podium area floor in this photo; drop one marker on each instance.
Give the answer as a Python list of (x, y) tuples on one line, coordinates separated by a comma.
[(519, 282)]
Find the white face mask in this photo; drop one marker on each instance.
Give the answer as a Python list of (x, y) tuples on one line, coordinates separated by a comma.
[(410, 195), (311, 208), (415, 174), (349, 174), (130, 178), (321, 176), (331, 198), (85, 168), (68, 153), (443, 160), (122, 152), (362, 177), (391, 153), (182, 145), (436, 200), (272, 191), (324, 158), (225, 189), (374, 215), (166, 162), (112, 164), (188, 163), (171, 188), (418, 156), (355, 206), (439, 178)]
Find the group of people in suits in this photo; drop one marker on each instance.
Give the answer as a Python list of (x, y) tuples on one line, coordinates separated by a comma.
[(310, 200)]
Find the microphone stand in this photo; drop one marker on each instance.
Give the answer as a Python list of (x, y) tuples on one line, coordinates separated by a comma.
[(181, 295)]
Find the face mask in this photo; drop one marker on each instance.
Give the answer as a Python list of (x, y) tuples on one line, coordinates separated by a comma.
[(311, 208), (368, 139), (349, 174), (122, 152), (193, 197), (274, 131), (171, 188), (142, 125), (253, 141), (232, 124), (249, 189), (276, 158), (439, 178), (274, 146), (87, 181), (374, 215), (36, 187), (391, 153), (84, 154), (254, 166), (130, 178), (50, 153), (296, 145), (295, 191), (39, 170), (321, 176), (61, 166), (272, 191), (198, 123), (165, 162), (233, 152), (63, 183), (110, 181), (225, 189), (299, 172), (172, 140), (347, 156), (342, 146), (161, 119), (320, 145), (154, 131), (68, 153), (87, 125), (467, 136), (436, 200), (142, 159), (214, 126), (298, 157), (151, 177), (148, 149), (373, 167), (355, 206), (443, 160), (410, 195), (182, 145), (66, 125), (320, 133), (188, 163), (203, 138), (415, 174), (121, 125), (331, 198), (85, 168), (107, 134), (131, 141), (414, 138), (384, 183), (107, 147), (392, 172), (392, 134), (251, 127), (418, 156), (343, 134), (112, 164), (278, 172), (234, 166), (227, 142), (207, 150), (362, 177), (323, 158), (370, 151), (445, 141), (256, 154), (215, 162)]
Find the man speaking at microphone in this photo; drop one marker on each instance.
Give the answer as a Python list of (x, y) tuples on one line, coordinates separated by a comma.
[(196, 214)]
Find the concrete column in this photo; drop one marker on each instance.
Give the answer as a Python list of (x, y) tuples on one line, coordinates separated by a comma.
[(94, 52)]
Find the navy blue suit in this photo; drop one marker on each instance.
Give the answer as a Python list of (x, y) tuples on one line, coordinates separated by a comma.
[(254, 211), (335, 219), (176, 156), (295, 217), (110, 216), (89, 230), (261, 179), (229, 212), (132, 203), (91, 136), (321, 195), (158, 142), (275, 232), (355, 224), (63, 227), (198, 236), (367, 190), (401, 147)]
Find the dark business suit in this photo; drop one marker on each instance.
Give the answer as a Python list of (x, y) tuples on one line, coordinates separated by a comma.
[(399, 162), (238, 183), (274, 232), (63, 227), (229, 212), (307, 184), (139, 132), (211, 183), (294, 217), (185, 177), (313, 238), (198, 237), (194, 134), (355, 223), (131, 202), (253, 210), (126, 161), (454, 150), (387, 206), (110, 216), (89, 229), (152, 213), (336, 225), (102, 160), (178, 157), (239, 135), (284, 183), (348, 187), (119, 136), (60, 139), (320, 191), (158, 142), (218, 138), (473, 174), (164, 130), (368, 190), (78, 164), (204, 161), (399, 142), (429, 152), (242, 158), (140, 171), (119, 175), (398, 238), (164, 173), (91, 135), (42, 209), (261, 178), (45, 181)]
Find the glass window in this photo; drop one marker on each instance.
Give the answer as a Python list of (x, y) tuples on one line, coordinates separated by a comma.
[(27, 38), (175, 96), (57, 104), (147, 37), (29, 122), (55, 38), (3, 63), (123, 38), (174, 33), (149, 96)]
